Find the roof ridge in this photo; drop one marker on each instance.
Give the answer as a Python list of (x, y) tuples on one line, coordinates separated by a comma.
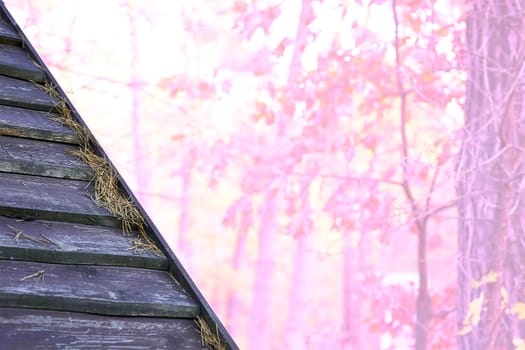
[(110, 189)]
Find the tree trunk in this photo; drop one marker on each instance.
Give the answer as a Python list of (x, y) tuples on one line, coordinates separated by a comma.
[(135, 87), (234, 304), (185, 178), (260, 321), (351, 304), (490, 178), (418, 214), (297, 300), (423, 302), (295, 322), (183, 243)]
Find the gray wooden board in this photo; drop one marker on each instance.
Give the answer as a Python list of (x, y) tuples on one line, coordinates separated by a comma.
[(22, 329), (15, 62), (43, 158), (46, 198), (7, 34), (67, 243), (105, 290), (29, 123), (20, 93)]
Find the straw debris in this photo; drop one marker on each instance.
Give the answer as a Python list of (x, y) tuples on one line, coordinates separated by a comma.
[(208, 337), (109, 195), (105, 181)]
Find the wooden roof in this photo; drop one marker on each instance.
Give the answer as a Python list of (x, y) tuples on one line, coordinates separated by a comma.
[(69, 276)]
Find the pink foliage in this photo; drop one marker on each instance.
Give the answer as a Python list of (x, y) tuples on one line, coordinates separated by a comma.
[(317, 217)]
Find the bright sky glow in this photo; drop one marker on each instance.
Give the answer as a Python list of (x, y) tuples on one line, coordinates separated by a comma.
[(186, 47)]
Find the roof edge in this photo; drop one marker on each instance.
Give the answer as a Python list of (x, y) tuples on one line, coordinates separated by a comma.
[(176, 268)]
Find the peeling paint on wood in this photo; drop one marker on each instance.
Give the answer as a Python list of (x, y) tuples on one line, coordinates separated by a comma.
[(50, 330), (7, 34), (67, 243), (33, 124), (68, 263), (20, 93), (41, 158), (105, 290), (15, 62), (36, 197)]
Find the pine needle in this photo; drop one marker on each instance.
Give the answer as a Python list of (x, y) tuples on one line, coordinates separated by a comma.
[(208, 337), (105, 181)]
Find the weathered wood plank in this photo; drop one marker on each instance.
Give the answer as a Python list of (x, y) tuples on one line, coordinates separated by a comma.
[(42, 158), (67, 243), (29, 123), (20, 93), (37, 197), (22, 329), (7, 34), (105, 290), (15, 62)]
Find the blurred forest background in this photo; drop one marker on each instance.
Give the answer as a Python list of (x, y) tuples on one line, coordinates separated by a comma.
[(299, 156)]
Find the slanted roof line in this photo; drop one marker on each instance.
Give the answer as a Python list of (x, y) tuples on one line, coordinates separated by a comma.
[(48, 102), (108, 193)]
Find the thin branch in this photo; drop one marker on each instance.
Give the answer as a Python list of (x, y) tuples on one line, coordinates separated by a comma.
[(423, 299), (431, 188), (403, 115)]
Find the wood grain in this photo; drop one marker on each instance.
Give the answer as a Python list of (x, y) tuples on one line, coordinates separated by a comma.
[(41, 158), (33, 124), (22, 329), (67, 243), (20, 93), (7, 34), (37, 197), (15, 62), (105, 290)]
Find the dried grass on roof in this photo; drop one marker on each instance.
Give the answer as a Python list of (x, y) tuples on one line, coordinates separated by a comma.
[(105, 181), (109, 195), (208, 337)]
